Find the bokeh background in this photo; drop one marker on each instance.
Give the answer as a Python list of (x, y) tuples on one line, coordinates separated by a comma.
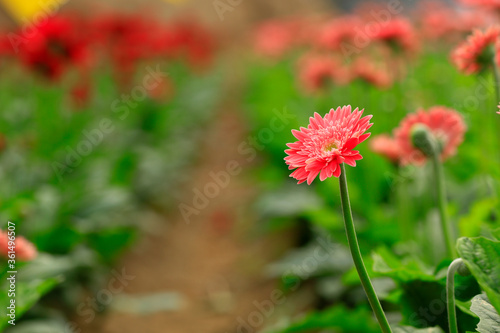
[(141, 153)]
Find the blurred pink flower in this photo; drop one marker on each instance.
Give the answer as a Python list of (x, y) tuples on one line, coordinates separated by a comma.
[(440, 22), (24, 249), (364, 69), (386, 146), (489, 4), (446, 125), (326, 143), (274, 38), (478, 52), (338, 31), (317, 71), (399, 34)]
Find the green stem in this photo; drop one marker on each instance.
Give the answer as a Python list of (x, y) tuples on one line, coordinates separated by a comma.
[(356, 254), (403, 204), (450, 294), (496, 74), (442, 204)]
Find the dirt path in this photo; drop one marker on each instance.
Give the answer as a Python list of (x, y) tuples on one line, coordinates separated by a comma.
[(212, 264), (210, 269)]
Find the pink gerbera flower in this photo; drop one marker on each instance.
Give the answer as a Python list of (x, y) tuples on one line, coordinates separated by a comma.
[(326, 143), (386, 146), (23, 249), (478, 52), (445, 125)]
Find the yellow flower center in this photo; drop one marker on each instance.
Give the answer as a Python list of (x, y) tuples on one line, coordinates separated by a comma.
[(331, 146)]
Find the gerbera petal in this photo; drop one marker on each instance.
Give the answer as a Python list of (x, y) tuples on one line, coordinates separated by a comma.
[(336, 173), (311, 176), (350, 161), (364, 137), (323, 174), (326, 142), (351, 143)]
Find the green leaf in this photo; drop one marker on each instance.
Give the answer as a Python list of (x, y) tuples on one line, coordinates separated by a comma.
[(496, 233), (26, 295), (409, 329), (339, 318), (489, 320), (480, 215), (111, 243), (420, 292), (465, 307), (387, 264), (42, 326), (482, 257)]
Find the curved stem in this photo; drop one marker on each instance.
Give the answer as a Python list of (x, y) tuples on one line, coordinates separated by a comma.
[(356, 254), (442, 203), (450, 294)]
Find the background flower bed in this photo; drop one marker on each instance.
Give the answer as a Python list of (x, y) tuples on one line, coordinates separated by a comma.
[(83, 216), (92, 146)]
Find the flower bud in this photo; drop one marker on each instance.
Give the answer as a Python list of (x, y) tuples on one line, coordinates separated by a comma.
[(423, 140), (463, 270)]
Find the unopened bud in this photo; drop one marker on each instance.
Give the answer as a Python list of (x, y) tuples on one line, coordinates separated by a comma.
[(423, 140)]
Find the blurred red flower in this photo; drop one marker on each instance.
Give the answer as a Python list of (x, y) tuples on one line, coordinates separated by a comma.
[(125, 38), (24, 250), (479, 52), (54, 46)]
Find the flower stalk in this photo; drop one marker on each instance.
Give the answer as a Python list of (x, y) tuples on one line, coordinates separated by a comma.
[(457, 265), (442, 204), (356, 254), (424, 141), (496, 76)]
